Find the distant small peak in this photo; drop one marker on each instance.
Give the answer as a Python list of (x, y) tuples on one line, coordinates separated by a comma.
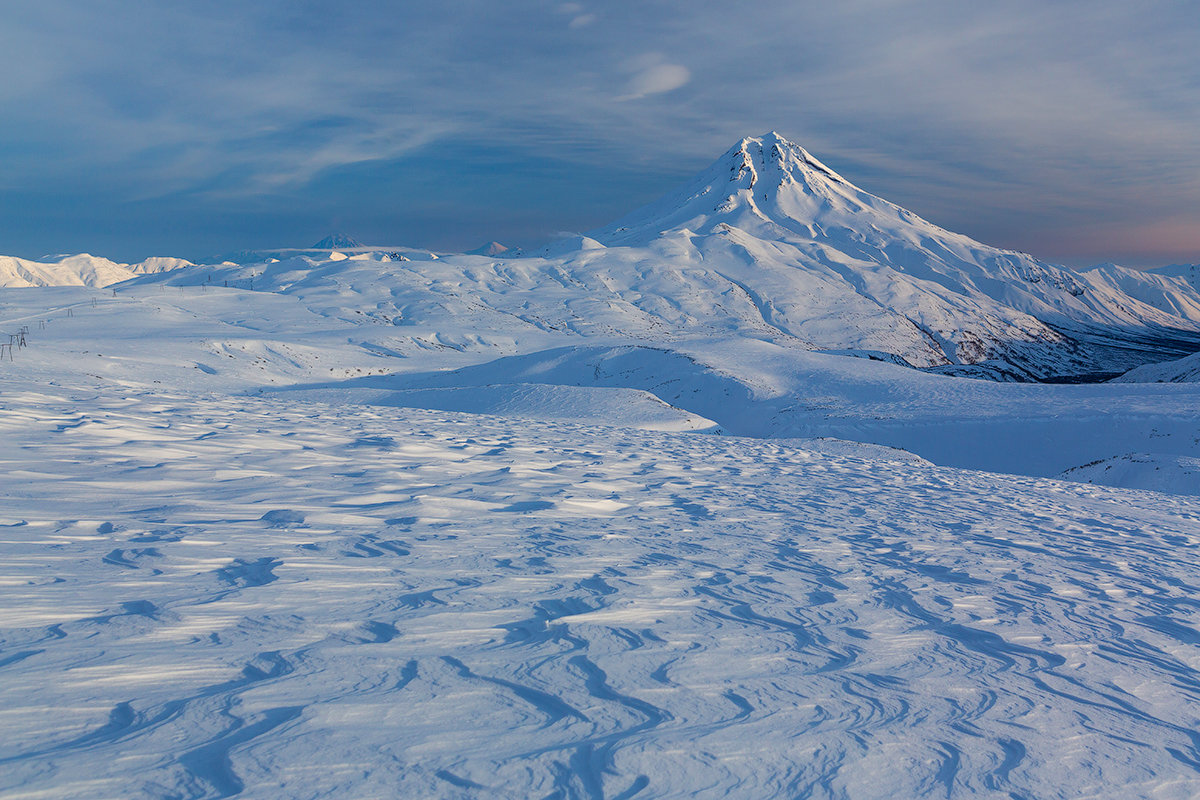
[(489, 249), (337, 241)]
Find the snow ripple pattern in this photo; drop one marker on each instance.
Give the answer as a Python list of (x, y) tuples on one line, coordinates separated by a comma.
[(206, 598)]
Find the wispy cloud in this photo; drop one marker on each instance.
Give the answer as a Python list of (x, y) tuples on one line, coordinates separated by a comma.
[(998, 119), (652, 74), (579, 16)]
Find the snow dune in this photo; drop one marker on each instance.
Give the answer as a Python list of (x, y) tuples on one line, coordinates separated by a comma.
[(763, 390), (291, 599)]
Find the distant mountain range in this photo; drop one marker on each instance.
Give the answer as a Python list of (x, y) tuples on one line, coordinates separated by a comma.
[(338, 241), (768, 244), (78, 270)]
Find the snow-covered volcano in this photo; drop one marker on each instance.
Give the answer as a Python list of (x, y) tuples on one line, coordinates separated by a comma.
[(338, 241), (768, 245), (766, 185), (838, 266)]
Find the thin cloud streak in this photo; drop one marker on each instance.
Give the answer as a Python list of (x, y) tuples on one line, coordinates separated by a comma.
[(1010, 121)]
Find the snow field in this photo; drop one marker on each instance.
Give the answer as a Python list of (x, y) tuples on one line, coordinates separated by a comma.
[(249, 546), (294, 599)]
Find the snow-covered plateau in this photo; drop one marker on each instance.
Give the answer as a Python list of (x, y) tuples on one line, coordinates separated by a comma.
[(701, 504)]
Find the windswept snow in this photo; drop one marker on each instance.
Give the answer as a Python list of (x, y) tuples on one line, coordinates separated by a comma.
[(605, 521), (220, 580), (282, 599), (591, 405), (761, 390)]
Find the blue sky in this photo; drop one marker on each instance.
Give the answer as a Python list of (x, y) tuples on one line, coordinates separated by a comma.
[(131, 128)]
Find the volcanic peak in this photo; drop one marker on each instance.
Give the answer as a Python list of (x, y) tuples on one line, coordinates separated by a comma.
[(771, 152)]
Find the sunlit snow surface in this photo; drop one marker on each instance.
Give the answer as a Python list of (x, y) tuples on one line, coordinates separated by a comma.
[(210, 593)]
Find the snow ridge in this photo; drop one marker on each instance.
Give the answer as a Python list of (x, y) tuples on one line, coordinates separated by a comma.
[(78, 270)]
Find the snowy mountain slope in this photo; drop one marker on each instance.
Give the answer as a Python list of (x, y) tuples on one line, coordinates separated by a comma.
[(1188, 272), (338, 241), (1183, 370), (1152, 471), (261, 256), (772, 198), (639, 296), (1174, 294), (159, 264), (78, 270), (490, 249)]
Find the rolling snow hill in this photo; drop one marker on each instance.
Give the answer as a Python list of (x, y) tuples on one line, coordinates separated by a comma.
[(78, 270)]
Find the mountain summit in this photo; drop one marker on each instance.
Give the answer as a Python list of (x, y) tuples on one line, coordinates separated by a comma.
[(337, 241), (490, 249), (837, 266), (760, 180)]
